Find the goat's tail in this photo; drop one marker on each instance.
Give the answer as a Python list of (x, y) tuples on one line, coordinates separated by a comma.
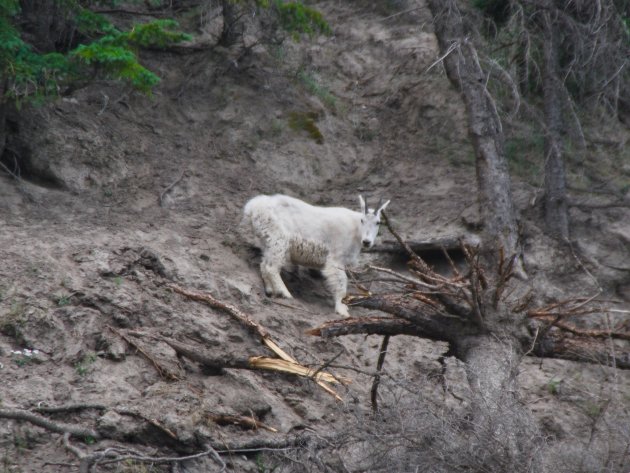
[(259, 224)]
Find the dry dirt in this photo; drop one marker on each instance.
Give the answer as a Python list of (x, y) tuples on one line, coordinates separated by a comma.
[(138, 191)]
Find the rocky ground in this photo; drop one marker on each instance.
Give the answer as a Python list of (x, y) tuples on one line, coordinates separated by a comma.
[(122, 195)]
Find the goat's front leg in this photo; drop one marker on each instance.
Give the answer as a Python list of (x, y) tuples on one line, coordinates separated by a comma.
[(337, 284)]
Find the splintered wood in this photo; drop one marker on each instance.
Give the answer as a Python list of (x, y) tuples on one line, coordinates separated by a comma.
[(286, 363)]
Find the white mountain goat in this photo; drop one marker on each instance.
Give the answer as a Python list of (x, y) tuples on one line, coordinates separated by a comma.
[(288, 230)]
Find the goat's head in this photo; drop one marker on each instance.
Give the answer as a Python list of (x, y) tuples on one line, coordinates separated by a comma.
[(370, 221)]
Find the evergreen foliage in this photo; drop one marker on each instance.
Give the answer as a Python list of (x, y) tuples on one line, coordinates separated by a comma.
[(103, 51), (296, 18)]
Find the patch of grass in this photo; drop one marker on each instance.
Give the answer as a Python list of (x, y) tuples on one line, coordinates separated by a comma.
[(260, 464), (20, 443), (312, 84), (553, 386), (593, 409), (83, 366), (63, 300), (364, 133), (306, 121)]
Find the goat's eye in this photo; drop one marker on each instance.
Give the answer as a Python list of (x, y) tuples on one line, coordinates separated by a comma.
[(378, 223), (362, 221)]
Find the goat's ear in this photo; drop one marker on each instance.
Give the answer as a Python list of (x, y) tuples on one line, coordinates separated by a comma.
[(362, 202), (382, 207)]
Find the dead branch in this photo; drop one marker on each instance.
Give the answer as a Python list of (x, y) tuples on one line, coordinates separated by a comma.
[(425, 323), (593, 333), (170, 187), (112, 455), (414, 256), (377, 377), (365, 325), (401, 277), (556, 344), (260, 363), (238, 315), (69, 408), (448, 243), (243, 421), (256, 329), (59, 427), (163, 371)]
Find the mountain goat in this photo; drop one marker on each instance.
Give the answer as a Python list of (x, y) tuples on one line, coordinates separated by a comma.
[(289, 230)]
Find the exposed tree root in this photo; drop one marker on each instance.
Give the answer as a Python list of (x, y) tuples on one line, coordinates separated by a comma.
[(59, 427), (89, 461)]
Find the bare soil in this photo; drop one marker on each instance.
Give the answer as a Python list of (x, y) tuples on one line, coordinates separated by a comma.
[(133, 193)]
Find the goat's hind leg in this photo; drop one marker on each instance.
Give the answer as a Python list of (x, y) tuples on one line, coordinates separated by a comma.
[(270, 271)]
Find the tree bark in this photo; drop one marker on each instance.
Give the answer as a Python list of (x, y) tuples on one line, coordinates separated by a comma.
[(506, 437), (484, 127), (233, 26), (555, 201), (47, 24)]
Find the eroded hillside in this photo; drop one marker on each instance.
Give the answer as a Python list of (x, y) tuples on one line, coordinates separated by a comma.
[(123, 196)]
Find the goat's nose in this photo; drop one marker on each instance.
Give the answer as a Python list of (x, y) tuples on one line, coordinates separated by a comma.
[(366, 243)]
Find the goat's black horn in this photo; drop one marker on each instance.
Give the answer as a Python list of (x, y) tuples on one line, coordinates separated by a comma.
[(380, 202), (366, 205)]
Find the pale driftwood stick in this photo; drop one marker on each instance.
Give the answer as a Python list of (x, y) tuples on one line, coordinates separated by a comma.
[(402, 277), (69, 408)]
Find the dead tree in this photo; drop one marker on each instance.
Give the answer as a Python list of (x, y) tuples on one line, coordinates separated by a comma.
[(490, 321), (489, 339), (484, 314), (566, 55), (484, 126), (555, 198)]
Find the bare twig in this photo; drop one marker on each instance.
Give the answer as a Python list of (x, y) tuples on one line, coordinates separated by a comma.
[(163, 371), (377, 377), (170, 186)]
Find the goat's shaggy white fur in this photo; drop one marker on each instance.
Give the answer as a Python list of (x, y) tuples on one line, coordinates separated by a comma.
[(289, 230)]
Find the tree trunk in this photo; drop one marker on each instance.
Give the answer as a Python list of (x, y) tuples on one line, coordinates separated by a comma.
[(505, 437), (47, 24), (484, 128), (555, 202), (233, 26)]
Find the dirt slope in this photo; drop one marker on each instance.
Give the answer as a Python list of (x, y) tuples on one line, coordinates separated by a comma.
[(140, 192)]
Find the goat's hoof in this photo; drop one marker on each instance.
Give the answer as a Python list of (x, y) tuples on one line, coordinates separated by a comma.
[(342, 310)]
